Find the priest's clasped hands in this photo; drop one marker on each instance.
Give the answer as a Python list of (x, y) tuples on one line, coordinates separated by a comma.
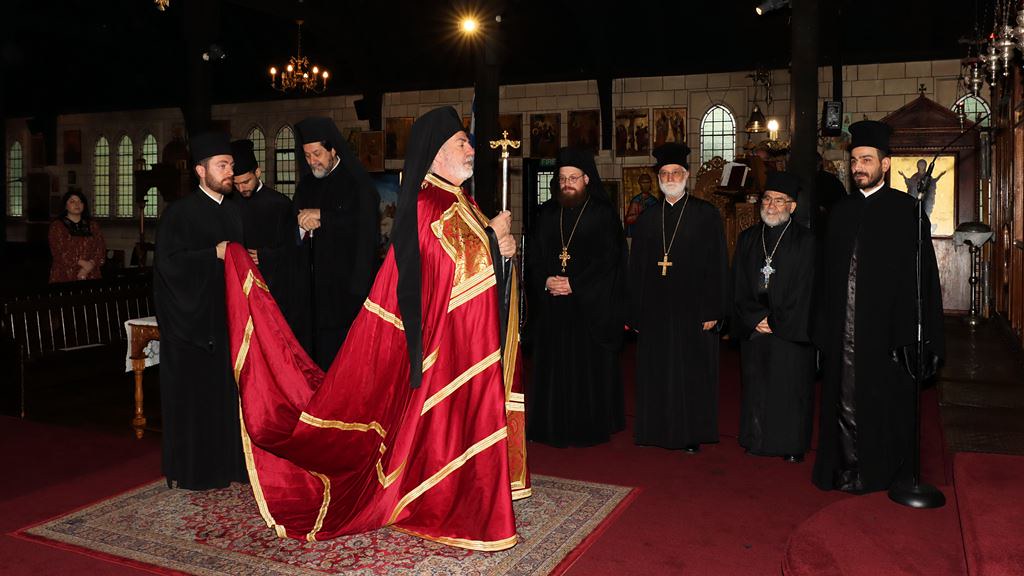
[(309, 219), (502, 226), (558, 286)]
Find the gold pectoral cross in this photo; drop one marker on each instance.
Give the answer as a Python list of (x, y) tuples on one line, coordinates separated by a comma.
[(564, 257), (665, 263)]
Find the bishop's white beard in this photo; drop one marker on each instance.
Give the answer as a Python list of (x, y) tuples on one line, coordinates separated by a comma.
[(673, 190), (780, 217)]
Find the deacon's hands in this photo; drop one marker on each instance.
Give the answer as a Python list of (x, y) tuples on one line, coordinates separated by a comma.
[(558, 286), (709, 325), (762, 326), (309, 218), (255, 256), (222, 247)]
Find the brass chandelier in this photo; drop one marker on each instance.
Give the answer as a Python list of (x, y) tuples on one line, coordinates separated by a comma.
[(299, 74)]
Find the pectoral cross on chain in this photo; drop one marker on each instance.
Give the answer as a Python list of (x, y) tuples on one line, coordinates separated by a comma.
[(564, 257), (665, 263), (767, 271)]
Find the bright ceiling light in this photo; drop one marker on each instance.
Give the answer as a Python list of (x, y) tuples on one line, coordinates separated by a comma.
[(770, 6)]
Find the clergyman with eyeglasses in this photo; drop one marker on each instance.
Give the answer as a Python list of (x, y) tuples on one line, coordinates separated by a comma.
[(773, 283), (678, 281), (575, 261)]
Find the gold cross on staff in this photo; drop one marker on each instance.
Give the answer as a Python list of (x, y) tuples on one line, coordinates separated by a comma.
[(665, 263), (505, 143)]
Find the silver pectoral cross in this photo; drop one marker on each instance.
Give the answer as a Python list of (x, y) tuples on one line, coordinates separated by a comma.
[(767, 270)]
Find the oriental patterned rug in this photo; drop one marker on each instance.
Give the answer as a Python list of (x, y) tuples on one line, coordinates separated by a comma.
[(221, 532)]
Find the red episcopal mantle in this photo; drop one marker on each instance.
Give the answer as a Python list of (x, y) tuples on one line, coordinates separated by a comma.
[(356, 448)]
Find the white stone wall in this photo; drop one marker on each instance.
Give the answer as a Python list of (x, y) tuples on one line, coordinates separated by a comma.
[(869, 91)]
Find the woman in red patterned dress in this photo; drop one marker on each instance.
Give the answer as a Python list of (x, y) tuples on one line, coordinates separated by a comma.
[(76, 242)]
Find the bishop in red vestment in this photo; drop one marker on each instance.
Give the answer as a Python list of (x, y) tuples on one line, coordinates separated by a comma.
[(408, 427)]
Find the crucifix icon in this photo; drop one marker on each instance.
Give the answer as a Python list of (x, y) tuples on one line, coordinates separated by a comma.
[(665, 263), (564, 257)]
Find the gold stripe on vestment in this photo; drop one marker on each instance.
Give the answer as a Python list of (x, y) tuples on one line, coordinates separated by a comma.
[(389, 317), (459, 380), (339, 425), (243, 350), (430, 359), (311, 537), (472, 293), (521, 493), (478, 545), (443, 473), (516, 397), (250, 279), (433, 179), (386, 479), (254, 479)]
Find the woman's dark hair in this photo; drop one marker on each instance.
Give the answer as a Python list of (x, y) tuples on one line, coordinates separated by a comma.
[(86, 215)]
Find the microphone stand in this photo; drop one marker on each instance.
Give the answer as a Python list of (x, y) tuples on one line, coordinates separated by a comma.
[(917, 494)]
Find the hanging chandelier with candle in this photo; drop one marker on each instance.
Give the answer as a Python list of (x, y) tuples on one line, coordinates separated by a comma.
[(299, 74)]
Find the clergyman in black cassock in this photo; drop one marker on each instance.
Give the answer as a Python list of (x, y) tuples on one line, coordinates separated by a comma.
[(679, 298), (575, 261), (268, 224), (867, 326), (202, 445), (773, 286), (338, 229)]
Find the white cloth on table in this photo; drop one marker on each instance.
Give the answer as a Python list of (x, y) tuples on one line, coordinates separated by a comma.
[(152, 349)]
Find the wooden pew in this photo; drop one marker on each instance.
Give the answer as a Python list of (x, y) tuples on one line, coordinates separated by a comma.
[(67, 329)]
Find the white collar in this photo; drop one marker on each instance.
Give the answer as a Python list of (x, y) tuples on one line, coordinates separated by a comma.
[(871, 191), (210, 194)]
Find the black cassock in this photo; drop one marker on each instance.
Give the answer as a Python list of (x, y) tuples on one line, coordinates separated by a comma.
[(343, 252), (777, 369), (202, 445), (269, 227), (677, 360), (867, 319), (576, 397)]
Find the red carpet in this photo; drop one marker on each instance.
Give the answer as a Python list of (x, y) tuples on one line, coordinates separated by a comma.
[(991, 512), (870, 535), (719, 512)]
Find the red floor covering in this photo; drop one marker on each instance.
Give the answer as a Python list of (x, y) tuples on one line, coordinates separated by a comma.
[(991, 511), (716, 512)]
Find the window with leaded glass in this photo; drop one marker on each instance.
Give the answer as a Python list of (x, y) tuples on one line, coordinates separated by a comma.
[(284, 161), (149, 158), (125, 176), (15, 181), (717, 134), (101, 179)]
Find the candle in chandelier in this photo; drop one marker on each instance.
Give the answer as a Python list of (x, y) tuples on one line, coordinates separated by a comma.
[(316, 70)]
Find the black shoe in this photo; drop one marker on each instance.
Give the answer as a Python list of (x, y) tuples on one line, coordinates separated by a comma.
[(692, 448), (794, 458)]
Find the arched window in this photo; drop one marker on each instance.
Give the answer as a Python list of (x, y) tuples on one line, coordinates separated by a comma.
[(101, 179), (975, 108), (125, 161), (150, 157), (284, 161), (259, 148), (15, 181), (717, 134)]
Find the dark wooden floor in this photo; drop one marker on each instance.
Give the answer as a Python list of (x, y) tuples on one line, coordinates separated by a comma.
[(981, 389)]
